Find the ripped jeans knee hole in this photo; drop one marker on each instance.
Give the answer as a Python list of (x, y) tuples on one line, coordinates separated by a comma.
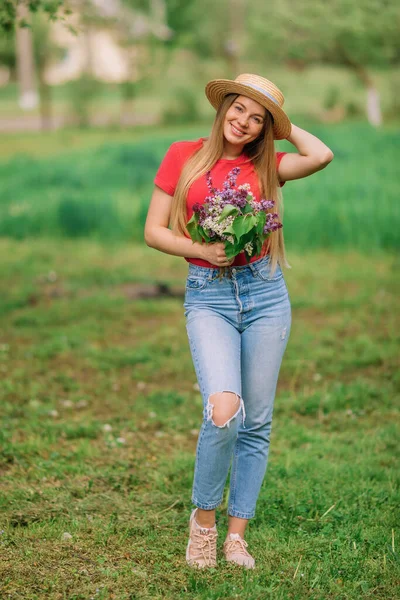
[(223, 402)]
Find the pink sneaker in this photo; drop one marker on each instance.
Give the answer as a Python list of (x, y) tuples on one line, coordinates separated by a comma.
[(201, 550), (235, 551)]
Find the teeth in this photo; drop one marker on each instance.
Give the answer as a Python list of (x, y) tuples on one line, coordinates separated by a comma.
[(236, 130)]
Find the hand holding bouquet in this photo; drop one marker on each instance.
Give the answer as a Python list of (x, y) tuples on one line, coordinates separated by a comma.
[(232, 215)]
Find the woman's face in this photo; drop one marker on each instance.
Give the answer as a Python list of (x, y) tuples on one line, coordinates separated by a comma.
[(243, 121)]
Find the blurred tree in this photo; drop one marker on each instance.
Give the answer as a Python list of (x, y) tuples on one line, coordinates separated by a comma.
[(16, 16), (45, 50), (42, 50), (209, 29), (142, 31), (9, 17), (27, 94), (7, 51), (356, 34)]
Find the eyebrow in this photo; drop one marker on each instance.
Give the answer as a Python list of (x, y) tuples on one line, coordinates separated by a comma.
[(255, 114)]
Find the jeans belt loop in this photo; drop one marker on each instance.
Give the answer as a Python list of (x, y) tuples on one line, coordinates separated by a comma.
[(253, 269)]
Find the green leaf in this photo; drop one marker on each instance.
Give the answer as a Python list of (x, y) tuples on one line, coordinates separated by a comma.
[(229, 230), (195, 235), (247, 209), (240, 244), (231, 250), (228, 211), (193, 229), (247, 237), (261, 219), (258, 243), (204, 234), (243, 225), (194, 218)]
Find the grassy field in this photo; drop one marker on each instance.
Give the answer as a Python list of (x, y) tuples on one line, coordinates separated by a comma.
[(70, 185), (100, 414)]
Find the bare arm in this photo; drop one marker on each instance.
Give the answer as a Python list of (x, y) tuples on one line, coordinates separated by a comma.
[(313, 156), (156, 232), (158, 236)]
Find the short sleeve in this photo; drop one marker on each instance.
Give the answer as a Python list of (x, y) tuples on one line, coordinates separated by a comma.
[(169, 170), (279, 156)]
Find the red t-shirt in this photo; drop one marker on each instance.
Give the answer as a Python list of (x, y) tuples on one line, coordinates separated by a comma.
[(169, 172)]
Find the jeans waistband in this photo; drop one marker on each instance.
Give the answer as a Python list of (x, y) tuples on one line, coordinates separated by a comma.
[(211, 273)]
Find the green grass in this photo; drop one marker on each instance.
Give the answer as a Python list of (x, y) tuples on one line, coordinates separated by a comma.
[(100, 187), (100, 415)]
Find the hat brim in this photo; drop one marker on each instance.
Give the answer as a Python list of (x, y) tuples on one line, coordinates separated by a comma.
[(217, 89)]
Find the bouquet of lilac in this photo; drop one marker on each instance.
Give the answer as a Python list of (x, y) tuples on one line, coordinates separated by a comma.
[(232, 215)]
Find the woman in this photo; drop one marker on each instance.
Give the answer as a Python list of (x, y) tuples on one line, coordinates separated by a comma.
[(238, 325)]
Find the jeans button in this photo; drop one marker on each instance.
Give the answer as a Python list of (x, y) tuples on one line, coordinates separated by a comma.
[(233, 270)]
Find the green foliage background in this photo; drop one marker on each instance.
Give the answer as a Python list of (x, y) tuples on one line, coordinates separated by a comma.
[(103, 191)]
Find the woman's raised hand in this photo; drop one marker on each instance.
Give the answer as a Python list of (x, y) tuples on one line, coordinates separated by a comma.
[(214, 253)]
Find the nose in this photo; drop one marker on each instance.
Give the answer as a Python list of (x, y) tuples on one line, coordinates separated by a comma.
[(242, 120)]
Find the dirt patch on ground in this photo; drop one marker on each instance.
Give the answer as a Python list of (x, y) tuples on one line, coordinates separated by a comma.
[(131, 291)]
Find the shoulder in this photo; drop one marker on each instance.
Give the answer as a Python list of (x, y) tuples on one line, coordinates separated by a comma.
[(171, 165), (184, 149)]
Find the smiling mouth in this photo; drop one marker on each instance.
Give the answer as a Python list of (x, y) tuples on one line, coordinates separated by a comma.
[(237, 131)]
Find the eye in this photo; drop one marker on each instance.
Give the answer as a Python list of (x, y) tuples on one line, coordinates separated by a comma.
[(239, 108), (257, 120)]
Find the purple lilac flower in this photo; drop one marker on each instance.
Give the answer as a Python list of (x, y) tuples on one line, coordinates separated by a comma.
[(240, 201), (202, 214), (232, 177), (266, 204), (209, 182), (227, 196), (269, 227), (229, 183)]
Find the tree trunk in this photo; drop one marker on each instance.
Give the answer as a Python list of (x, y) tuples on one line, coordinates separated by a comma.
[(373, 105), (45, 103), (28, 97)]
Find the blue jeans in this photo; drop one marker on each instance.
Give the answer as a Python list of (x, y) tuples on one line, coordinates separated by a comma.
[(238, 328)]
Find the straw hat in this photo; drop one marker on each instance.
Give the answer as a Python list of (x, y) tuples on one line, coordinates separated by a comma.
[(259, 89)]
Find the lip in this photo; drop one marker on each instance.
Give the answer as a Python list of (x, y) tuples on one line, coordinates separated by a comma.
[(236, 131)]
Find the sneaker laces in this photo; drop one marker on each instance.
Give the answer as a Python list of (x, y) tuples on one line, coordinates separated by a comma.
[(205, 544), (237, 545)]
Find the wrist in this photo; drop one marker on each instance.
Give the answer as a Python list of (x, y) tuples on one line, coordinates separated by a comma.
[(289, 137), (201, 251)]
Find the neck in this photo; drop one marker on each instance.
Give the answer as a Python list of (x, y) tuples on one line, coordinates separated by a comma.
[(232, 151)]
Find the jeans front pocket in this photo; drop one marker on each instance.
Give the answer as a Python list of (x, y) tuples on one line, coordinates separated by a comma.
[(194, 282), (263, 271)]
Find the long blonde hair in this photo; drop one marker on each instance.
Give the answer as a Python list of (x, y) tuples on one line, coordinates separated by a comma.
[(260, 151)]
